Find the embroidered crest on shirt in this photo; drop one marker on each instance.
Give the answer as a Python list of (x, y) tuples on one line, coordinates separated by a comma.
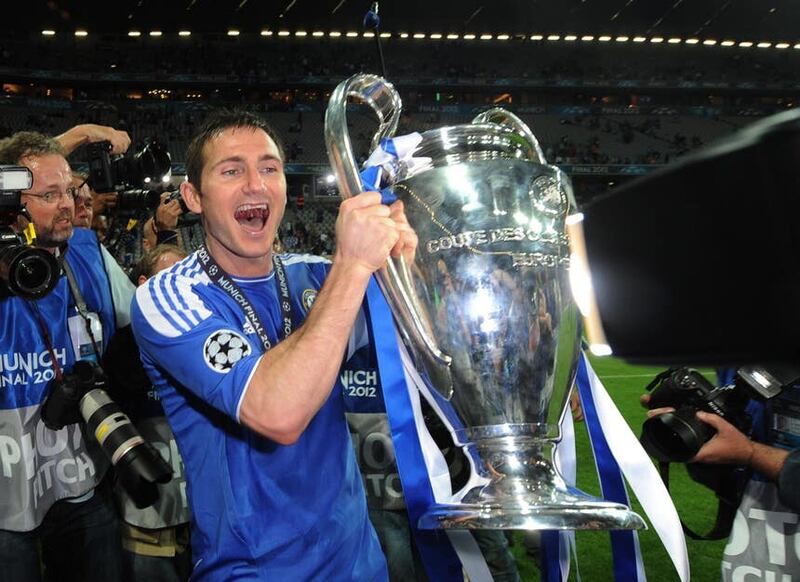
[(223, 349), (309, 295)]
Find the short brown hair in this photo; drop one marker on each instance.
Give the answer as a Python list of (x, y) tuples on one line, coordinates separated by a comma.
[(214, 125), (148, 262), (25, 144)]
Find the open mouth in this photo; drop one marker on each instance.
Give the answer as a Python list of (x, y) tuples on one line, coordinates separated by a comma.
[(252, 216)]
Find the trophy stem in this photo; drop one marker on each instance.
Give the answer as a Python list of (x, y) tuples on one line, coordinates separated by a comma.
[(525, 492)]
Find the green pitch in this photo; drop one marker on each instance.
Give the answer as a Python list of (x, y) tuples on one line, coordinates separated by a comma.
[(696, 505)]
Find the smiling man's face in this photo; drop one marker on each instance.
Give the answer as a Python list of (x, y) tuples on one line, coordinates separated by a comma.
[(242, 200)]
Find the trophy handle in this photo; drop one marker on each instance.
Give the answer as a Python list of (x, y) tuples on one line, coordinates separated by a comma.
[(500, 116), (395, 277)]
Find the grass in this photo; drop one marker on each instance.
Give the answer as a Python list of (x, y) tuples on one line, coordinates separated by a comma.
[(696, 505)]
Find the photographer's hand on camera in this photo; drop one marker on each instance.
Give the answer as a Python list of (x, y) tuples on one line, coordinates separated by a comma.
[(86, 133), (167, 213)]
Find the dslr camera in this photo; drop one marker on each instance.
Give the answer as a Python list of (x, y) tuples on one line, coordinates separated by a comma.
[(677, 436), (81, 395), (25, 270), (130, 176)]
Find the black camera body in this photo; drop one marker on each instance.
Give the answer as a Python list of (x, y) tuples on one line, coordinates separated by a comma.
[(81, 395), (677, 436), (25, 270), (129, 176)]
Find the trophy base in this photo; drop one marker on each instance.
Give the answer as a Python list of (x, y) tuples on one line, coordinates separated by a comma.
[(565, 510)]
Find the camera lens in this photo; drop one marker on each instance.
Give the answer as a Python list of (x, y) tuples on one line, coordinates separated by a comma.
[(131, 201), (28, 272), (675, 436)]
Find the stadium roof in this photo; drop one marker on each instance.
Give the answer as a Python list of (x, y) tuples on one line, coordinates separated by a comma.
[(775, 20)]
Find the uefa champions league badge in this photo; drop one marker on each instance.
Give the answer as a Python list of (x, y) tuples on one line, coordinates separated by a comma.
[(223, 349), (309, 295)]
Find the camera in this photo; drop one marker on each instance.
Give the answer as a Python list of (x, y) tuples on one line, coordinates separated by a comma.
[(81, 395), (677, 436), (26, 271), (129, 175)]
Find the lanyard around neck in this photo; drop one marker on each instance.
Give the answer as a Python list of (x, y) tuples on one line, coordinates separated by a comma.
[(225, 282)]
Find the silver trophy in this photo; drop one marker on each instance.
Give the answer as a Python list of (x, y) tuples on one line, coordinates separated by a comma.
[(485, 306)]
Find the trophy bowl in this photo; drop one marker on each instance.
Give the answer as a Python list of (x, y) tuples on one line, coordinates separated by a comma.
[(485, 307)]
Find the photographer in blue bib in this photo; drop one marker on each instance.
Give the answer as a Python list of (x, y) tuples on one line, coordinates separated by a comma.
[(58, 310), (742, 440)]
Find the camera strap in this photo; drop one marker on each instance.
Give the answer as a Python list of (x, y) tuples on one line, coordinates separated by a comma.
[(80, 305), (225, 282), (726, 512)]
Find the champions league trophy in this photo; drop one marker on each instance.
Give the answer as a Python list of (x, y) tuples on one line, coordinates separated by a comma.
[(485, 306)]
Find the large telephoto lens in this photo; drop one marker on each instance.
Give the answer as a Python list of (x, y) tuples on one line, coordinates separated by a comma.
[(138, 465), (26, 271)]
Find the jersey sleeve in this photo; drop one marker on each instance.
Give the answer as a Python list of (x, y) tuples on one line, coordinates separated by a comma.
[(191, 344)]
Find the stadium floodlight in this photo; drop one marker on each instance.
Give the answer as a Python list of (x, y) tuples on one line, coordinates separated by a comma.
[(419, 35), (639, 38), (657, 39), (728, 43), (622, 39), (570, 38), (185, 33), (604, 38), (782, 45), (692, 41), (155, 33), (453, 36), (587, 38), (709, 42), (797, 46), (317, 33), (503, 37), (81, 33), (368, 34), (134, 33), (469, 37), (300, 33), (334, 34), (386, 35), (284, 33), (436, 35), (537, 37), (351, 34), (266, 32), (403, 35), (675, 40), (764, 44), (48, 32), (486, 37), (745, 44), (233, 32), (553, 37)]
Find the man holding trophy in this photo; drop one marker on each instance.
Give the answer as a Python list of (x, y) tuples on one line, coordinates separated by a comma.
[(248, 370)]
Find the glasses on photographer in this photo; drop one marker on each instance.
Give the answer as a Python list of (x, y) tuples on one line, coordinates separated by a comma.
[(55, 196)]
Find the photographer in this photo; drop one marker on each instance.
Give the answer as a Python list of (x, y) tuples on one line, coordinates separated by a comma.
[(760, 542), (55, 513), (155, 539)]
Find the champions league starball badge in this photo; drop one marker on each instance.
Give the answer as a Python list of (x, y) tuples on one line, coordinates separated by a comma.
[(223, 349)]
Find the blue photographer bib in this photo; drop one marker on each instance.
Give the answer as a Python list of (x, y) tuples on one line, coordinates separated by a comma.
[(39, 466)]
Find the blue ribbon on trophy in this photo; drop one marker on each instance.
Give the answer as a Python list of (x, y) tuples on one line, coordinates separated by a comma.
[(616, 449), (438, 556)]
